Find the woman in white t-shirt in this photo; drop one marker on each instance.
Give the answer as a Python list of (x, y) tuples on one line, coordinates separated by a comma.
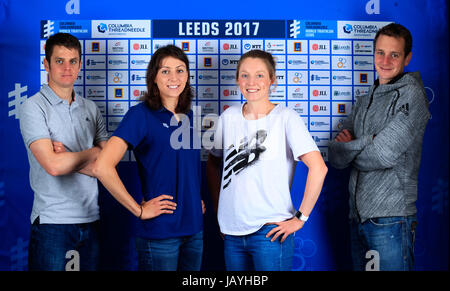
[(259, 143)]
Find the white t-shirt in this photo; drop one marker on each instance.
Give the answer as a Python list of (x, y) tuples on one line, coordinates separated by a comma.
[(259, 160)]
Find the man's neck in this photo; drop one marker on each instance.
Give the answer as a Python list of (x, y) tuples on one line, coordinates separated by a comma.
[(392, 81), (63, 93)]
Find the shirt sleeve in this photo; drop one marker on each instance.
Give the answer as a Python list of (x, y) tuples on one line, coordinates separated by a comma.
[(101, 133), (132, 128), (298, 136), (33, 123)]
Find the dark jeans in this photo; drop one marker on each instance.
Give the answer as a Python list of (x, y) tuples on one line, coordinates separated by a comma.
[(391, 237), (53, 246), (172, 254)]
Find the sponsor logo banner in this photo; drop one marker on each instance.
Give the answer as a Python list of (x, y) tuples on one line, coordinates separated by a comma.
[(78, 28), (323, 29), (120, 28), (359, 29)]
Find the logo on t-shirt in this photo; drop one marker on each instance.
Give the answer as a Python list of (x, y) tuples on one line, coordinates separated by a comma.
[(246, 154)]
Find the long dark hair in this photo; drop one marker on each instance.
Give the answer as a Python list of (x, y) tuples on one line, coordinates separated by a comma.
[(152, 98)]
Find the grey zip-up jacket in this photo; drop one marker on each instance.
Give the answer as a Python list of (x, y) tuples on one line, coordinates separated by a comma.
[(388, 125)]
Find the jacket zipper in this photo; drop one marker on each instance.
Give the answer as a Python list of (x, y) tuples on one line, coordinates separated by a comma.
[(358, 172)]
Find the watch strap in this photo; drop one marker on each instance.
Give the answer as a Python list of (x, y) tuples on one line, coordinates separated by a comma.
[(300, 216)]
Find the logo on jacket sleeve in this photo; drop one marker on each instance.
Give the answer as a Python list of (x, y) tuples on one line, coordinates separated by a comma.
[(404, 108)]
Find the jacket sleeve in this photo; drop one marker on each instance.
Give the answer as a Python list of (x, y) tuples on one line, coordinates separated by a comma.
[(342, 154), (411, 117)]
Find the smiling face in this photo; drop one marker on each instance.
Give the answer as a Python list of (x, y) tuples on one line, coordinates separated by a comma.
[(390, 59), (171, 78), (254, 79), (63, 68)]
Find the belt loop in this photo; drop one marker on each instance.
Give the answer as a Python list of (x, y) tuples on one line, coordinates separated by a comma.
[(414, 225)]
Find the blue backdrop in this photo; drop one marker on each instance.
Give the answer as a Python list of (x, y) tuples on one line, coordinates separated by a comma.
[(323, 243)]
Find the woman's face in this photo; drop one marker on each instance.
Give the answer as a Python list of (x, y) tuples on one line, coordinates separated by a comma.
[(171, 78), (254, 79)]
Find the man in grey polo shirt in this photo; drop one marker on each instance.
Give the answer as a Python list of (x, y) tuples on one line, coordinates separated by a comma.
[(63, 134)]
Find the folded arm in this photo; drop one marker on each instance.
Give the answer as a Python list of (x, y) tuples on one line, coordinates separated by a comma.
[(384, 150), (58, 147), (344, 148), (61, 163)]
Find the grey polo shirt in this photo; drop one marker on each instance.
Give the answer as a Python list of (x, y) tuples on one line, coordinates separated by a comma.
[(71, 198)]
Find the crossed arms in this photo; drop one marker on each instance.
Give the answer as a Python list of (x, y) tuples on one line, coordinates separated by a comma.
[(381, 150), (56, 161)]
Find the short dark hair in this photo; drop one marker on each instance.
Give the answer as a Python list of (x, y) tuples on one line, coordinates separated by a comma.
[(152, 97), (398, 31), (62, 39), (259, 54)]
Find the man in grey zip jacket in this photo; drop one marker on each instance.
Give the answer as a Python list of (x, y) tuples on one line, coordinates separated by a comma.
[(382, 141)]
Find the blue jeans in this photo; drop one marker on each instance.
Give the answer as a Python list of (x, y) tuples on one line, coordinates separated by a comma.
[(255, 252), (50, 243), (392, 237), (172, 254)]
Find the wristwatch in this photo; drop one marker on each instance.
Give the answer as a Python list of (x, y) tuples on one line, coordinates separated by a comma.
[(300, 216)]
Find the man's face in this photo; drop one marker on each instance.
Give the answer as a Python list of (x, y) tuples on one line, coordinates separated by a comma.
[(63, 68), (390, 59)]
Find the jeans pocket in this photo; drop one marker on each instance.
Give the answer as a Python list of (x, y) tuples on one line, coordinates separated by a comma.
[(386, 221)]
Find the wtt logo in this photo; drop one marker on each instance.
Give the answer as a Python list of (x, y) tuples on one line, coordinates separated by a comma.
[(294, 27), (47, 28), (17, 100)]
